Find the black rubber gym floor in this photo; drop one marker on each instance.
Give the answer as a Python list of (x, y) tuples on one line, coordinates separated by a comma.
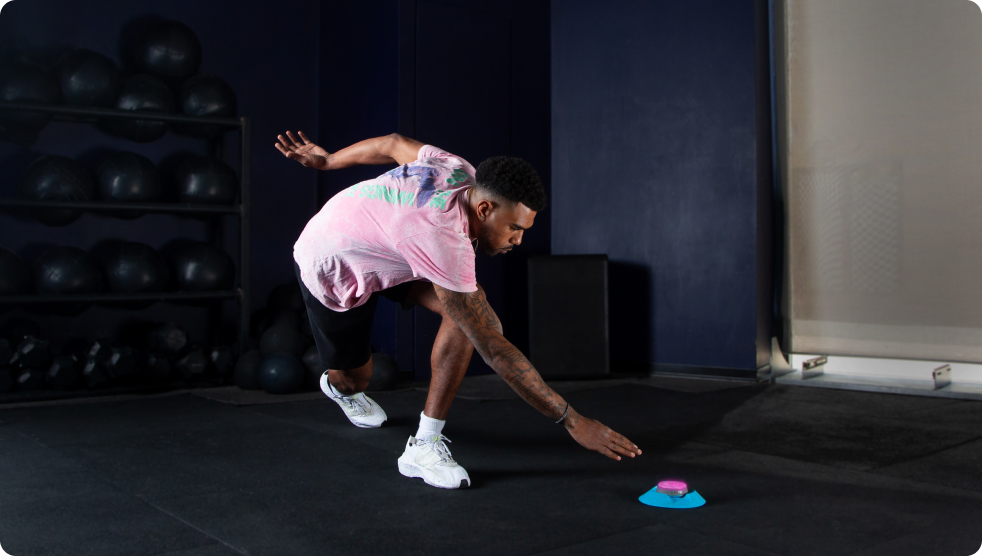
[(784, 470)]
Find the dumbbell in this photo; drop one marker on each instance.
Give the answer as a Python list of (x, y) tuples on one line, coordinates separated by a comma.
[(94, 372), (194, 363), (158, 366), (30, 379), (31, 353), (62, 374), (222, 360), (122, 362), (101, 349)]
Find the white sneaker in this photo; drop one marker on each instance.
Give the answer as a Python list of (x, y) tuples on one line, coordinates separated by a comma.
[(361, 410), (431, 461)]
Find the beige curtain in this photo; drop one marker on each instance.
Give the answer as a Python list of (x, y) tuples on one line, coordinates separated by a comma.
[(880, 123)]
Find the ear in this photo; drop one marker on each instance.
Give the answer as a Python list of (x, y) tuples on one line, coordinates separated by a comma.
[(484, 209)]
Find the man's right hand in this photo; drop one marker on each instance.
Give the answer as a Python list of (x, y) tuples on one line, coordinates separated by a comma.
[(303, 151), (477, 320), (594, 435)]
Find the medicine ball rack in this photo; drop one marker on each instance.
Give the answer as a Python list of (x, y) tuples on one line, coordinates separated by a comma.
[(96, 115)]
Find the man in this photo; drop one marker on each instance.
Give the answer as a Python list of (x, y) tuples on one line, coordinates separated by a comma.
[(408, 236)]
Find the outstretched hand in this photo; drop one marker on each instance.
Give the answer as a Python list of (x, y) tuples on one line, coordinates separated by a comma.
[(302, 150), (594, 435)]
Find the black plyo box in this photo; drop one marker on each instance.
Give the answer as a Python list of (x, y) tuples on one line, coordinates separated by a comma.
[(568, 327)]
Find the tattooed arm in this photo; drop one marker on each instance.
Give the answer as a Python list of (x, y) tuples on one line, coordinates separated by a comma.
[(475, 317)]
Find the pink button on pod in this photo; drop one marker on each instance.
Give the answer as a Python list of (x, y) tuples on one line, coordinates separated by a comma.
[(673, 488)]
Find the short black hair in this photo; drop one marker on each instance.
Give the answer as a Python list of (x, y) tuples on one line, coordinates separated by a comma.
[(512, 179)]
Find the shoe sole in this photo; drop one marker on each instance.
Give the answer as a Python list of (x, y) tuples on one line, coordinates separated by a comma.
[(414, 472)]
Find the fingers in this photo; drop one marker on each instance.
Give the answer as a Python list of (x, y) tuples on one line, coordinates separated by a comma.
[(288, 153), (625, 444), (615, 445), (622, 450), (293, 141), (290, 146), (304, 137), (296, 142), (605, 451)]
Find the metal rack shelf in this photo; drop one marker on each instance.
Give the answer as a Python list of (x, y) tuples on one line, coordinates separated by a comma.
[(164, 208), (90, 115), (94, 116), (31, 299)]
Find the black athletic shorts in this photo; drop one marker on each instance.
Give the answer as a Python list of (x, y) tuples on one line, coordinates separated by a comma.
[(343, 338)]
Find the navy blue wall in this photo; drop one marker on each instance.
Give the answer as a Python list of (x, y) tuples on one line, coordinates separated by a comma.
[(471, 77), (269, 55), (474, 79), (655, 142), (655, 162)]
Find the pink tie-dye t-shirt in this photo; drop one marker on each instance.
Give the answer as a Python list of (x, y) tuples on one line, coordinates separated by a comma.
[(407, 224)]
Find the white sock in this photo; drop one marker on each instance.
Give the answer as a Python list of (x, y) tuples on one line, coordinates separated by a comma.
[(429, 428)]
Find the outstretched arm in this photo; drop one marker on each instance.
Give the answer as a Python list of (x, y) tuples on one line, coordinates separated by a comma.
[(475, 317), (390, 149)]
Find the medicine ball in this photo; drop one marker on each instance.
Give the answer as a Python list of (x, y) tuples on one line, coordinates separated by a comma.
[(67, 270), (312, 361), (127, 177), (56, 178), (385, 372), (206, 180), (26, 83), (206, 95), (282, 338), (88, 79), (284, 317), (15, 275), (286, 296), (136, 268), (142, 93), (202, 267), (170, 51), (247, 370), (281, 373)]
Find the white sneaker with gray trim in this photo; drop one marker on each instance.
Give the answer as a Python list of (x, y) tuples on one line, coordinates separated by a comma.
[(431, 461), (361, 410)]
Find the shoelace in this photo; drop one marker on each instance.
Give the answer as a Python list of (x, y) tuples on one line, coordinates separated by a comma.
[(362, 404), (440, 448)]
